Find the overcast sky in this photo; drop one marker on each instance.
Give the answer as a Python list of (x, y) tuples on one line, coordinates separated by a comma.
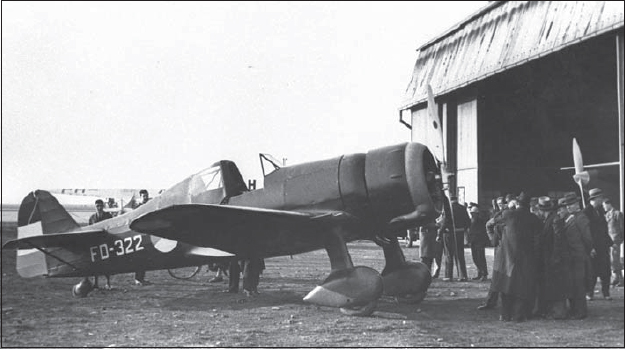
[(131, 95)]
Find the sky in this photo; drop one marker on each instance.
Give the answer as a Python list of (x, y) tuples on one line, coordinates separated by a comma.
[(144, 94)]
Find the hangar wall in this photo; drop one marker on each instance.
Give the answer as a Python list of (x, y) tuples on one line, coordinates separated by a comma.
[(539, 73), (513, 131)]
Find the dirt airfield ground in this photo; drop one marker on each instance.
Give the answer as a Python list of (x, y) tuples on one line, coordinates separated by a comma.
[(41, 313)]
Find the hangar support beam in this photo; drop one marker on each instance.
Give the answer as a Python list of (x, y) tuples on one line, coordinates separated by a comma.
[(619, 70)]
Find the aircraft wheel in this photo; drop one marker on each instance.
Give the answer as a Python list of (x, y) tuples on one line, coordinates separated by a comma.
[(184, 273), (82, 289), (364, 310)]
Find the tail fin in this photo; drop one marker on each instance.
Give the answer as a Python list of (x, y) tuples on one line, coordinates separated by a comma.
[(40, 213)]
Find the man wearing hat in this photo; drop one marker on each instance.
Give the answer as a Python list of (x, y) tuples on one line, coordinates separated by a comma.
[(494, 229), (478, 240), (601, 242), (453, 239), (513, 268), (551, 269), (534, 206), (573, 224)]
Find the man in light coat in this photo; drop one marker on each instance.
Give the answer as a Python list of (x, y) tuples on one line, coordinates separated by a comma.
[(614, 220)]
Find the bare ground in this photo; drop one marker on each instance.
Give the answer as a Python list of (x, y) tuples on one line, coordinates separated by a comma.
[(41, 312)]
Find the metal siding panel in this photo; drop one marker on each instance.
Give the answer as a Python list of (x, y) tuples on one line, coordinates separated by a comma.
[(467, 135), (503, 36), (468, 180), (419, 122)]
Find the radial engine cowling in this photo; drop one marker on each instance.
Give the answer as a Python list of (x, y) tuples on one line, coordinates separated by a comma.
[(404, 178)]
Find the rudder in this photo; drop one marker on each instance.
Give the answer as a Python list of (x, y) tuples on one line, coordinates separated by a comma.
[(40, 213)]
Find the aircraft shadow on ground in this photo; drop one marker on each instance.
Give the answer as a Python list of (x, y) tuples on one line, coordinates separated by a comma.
[(201, 301)]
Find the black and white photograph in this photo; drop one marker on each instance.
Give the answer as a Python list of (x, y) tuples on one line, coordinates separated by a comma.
[(312, 174)]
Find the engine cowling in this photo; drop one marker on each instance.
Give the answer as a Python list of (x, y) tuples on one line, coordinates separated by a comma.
[(406, 179)]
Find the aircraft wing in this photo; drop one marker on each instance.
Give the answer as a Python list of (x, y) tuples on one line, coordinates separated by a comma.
[(226, 227), (66, 240)]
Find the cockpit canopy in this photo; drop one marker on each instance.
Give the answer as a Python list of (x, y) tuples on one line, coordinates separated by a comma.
[(223, 175), (213, 185), (207, 179)]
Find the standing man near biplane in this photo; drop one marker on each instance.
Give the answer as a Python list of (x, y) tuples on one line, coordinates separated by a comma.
[(99, 216), (452, 231), (494, 229), (140, 274), (514, 267)]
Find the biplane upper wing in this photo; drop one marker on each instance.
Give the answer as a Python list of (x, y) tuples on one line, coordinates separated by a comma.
[(229, 228), (65, 240)]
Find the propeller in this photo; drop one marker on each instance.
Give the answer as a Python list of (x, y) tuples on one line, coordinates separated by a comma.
[(437, 146), (580, 177)]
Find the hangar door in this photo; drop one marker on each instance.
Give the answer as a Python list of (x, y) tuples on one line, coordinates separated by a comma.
[(467, 175)]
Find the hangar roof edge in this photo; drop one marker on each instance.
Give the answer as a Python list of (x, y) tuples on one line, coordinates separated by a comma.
[(504, 34)]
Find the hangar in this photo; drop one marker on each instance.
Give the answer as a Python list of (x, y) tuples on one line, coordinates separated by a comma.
[(514, 83)]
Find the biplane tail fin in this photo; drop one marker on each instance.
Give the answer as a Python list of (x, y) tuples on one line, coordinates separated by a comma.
[(40, 213)]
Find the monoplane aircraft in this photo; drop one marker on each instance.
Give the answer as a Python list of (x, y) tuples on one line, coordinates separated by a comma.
[(212, 215)]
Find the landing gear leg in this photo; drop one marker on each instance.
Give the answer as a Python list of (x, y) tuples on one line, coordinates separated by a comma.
[(355, 290), (407, 281)]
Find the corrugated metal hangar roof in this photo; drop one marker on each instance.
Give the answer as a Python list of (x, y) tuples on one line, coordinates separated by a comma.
[(504, 34)]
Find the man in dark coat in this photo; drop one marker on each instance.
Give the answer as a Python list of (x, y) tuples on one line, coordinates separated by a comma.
[(601, 242), (252, 268), (513, 269), (552, 263), (478, 240), (99, 216), (140, 274), (574, 224), (453, 239)]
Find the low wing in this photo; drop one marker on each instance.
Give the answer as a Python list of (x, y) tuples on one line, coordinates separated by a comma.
[(234, 229), (66, 240)]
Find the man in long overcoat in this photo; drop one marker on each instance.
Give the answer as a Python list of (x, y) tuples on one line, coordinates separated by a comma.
[(601, 242), (554, 277), (478, 240), (494, 230), (574, 224), (513, 269)]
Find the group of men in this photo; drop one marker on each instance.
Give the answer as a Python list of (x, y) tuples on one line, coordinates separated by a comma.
[(548, 254), (547, 261)]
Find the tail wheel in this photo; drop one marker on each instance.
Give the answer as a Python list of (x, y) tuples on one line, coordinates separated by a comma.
[(82, 289), (364, 310), (184, 273)]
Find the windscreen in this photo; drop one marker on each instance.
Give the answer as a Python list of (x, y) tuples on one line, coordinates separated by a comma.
[(206, 180)]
